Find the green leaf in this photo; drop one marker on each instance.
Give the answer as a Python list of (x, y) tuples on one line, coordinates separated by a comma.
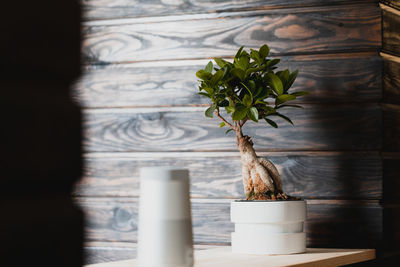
[(254, 54), (204, 94), (284, 76), (247, 100), (217, 77), (271, 63), (222, 124), (204, 75), (283, 117), (272, 123), (209, 67), (209, 90), (238, 73), (284, 98), (252, 85), (264, 51), (244, 62), (262, 95), (231, 104), (240, 113), (291, 79), (229, 109), (223, 103), (251, 70), (268, 110), (210, 111), (220, 62), (275, 83), (253, 114), (229, 130), (239, 52), (300, 93)]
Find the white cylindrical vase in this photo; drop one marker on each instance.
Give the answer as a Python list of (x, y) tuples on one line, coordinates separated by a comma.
[(165, 227), (269, 227)]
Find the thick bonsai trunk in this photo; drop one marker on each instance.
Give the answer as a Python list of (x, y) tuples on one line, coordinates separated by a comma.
[(261, 179)]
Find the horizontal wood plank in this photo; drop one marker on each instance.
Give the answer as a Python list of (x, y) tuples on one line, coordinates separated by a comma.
[(318, 127), (218, 175), (391, 79), (305, 30), (391, 174), (329, 223), (358, 79), (392, 3), (112, 9), (390, 30), (391, 219), (391, 131)]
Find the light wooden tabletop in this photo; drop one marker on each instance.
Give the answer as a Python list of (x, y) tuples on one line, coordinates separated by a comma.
[(219, 257)]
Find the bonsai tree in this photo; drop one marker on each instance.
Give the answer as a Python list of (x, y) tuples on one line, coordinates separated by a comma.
[(249, 89)]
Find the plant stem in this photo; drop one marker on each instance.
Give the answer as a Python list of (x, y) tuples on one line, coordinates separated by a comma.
[(223, 119)]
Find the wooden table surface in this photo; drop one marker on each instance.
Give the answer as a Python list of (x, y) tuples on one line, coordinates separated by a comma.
[(220, 257)]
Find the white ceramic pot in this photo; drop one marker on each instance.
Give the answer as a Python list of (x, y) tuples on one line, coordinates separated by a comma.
[(269, 227)]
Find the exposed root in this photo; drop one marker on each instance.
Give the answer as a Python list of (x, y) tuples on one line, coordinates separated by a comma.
[(261, 179), (273, 172)]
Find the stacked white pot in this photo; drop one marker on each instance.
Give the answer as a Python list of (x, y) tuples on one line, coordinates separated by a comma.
[(269, 227)]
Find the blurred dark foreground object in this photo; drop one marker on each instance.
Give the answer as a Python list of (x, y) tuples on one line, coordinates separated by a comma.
[(40, 134)]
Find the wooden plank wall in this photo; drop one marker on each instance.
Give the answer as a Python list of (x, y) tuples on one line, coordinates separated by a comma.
[(141, 109), (391, 119)]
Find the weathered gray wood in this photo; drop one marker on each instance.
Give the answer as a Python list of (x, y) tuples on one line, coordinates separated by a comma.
[(390, 30), (358, 79), (307, 30), (330, 223), (317, 127), (218, 175), (111, 9), (98, 252), (391, 79)]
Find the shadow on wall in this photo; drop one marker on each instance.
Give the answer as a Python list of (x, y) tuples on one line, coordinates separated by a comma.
[(41, 134), (353, 219)]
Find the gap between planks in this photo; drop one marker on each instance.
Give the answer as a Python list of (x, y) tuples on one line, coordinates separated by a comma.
[(196, 108), (344, 202), (218, 154), (302, 56)]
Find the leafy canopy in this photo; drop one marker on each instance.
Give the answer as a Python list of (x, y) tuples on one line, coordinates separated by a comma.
[(249, 88)]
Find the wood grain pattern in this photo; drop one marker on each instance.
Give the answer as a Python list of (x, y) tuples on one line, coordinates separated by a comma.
[(391, 79), (391, 131), (390, 30), (98, 252), (218, 175), (329, 223), (307, 30), (174, 82), (112, 9), (391, 3), (186, 129)]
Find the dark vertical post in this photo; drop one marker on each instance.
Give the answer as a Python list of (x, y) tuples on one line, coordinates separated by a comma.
[(40, 134)]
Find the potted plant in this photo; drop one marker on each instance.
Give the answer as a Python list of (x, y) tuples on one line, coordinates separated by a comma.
[(250, 89)]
